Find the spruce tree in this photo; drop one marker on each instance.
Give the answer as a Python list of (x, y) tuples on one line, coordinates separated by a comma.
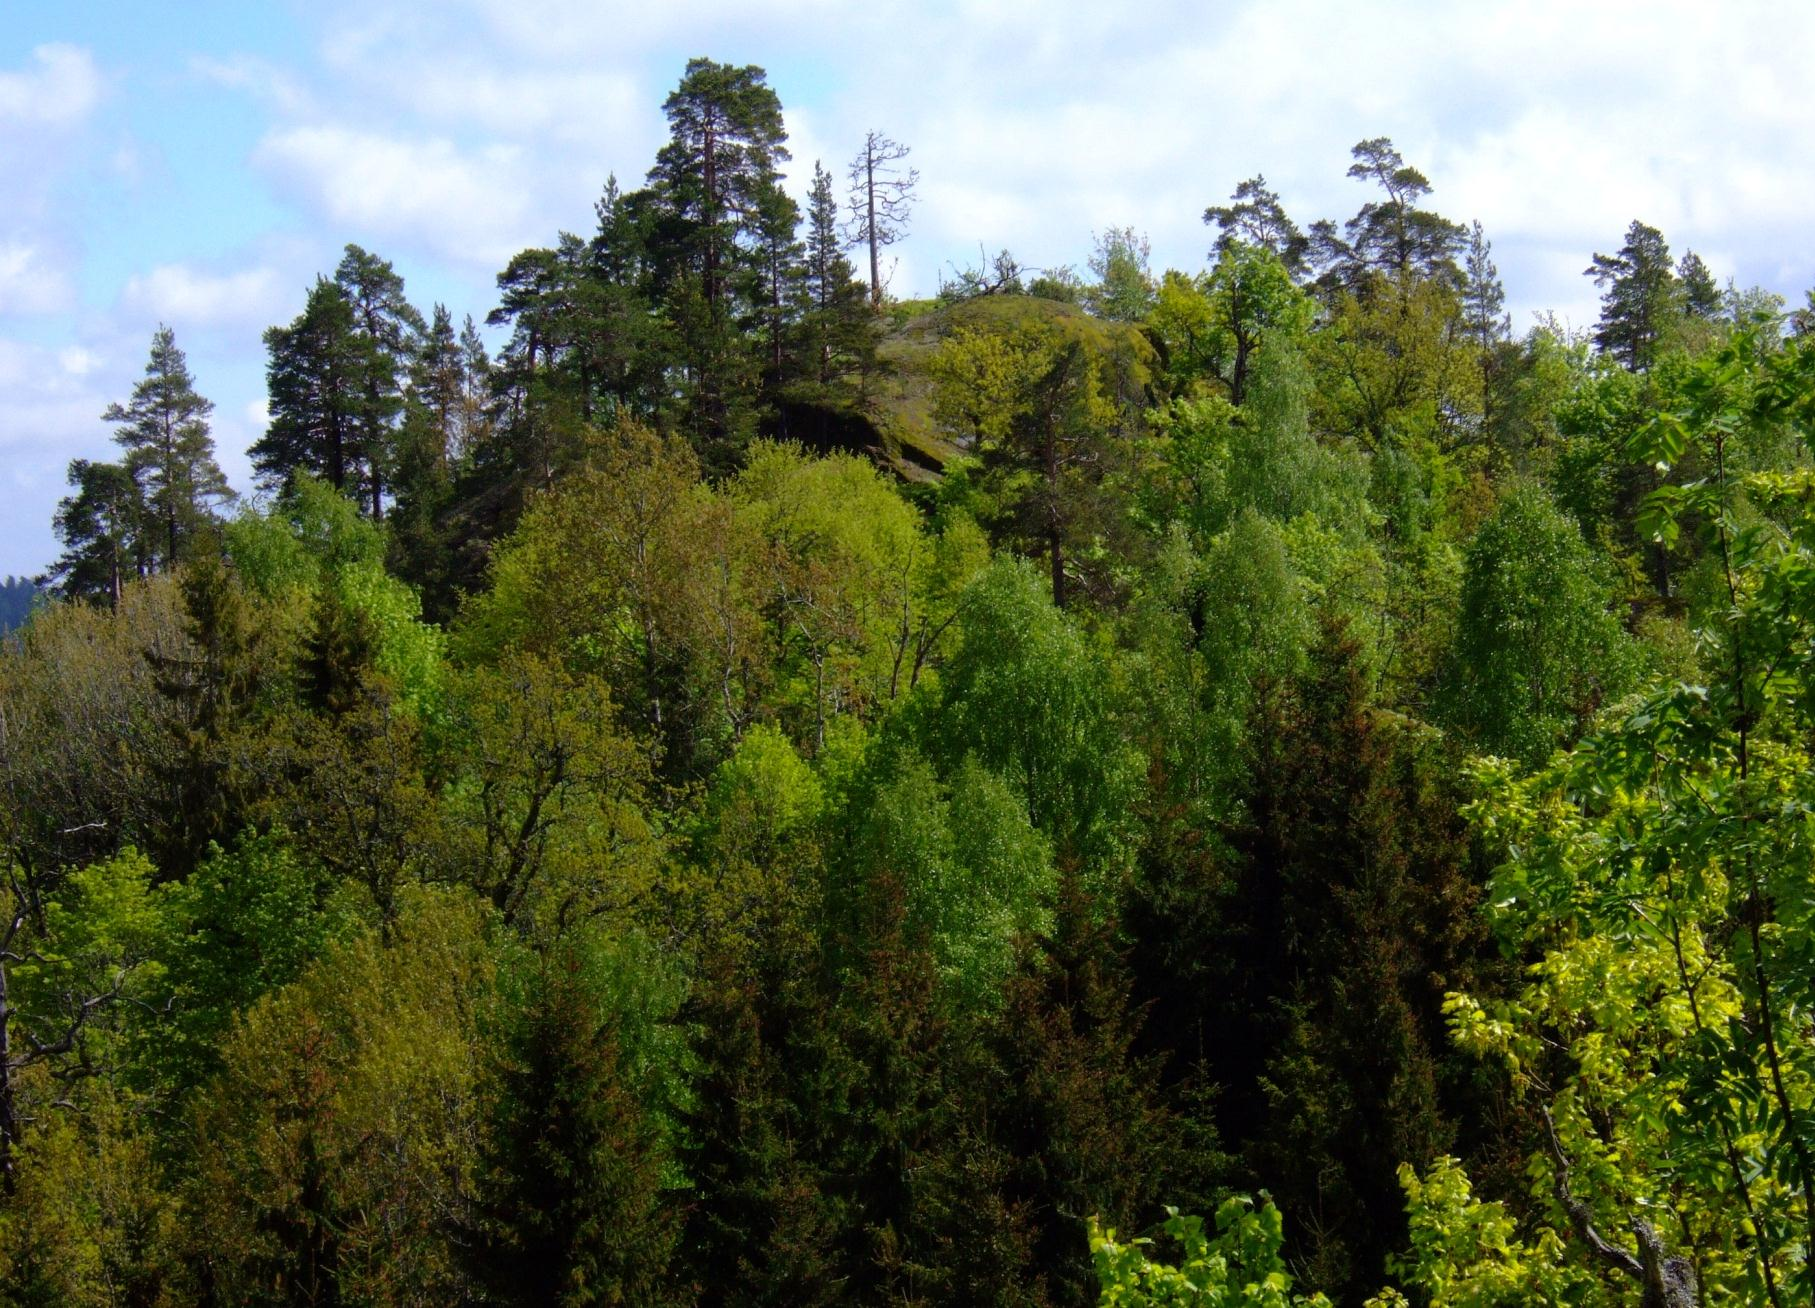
[(839, 332), (1345, 916), (1701, 295), (163, 430), (573, 1210)]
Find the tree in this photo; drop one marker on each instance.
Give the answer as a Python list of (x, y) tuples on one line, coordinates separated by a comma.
[(1538, 650), (316, 380), (572, 1204), (714, 183), (163, 430), (101, 527), (1240, 1265), (840, 333), (1701, 296), (1391, 236), (882, 196), (1638, 297), (1049, 405), (386, 328), (1124, 289), (1658, 874), (71, 942), (1256, 217)]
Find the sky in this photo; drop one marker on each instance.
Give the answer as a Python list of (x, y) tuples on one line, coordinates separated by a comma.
[(198, 163)]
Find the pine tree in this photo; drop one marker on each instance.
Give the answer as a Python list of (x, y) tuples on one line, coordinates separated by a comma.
[(163, 430), (1392, 236), (573, 1210), (1255, 216), (316, 381), (102, 529), (882, 197), (1638, 296), (712, 184), (385, 329)]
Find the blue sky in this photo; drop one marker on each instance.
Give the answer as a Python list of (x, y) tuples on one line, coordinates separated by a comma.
[(198, 163)]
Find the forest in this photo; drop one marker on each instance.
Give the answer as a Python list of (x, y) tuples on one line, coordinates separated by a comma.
[(1249, 785)]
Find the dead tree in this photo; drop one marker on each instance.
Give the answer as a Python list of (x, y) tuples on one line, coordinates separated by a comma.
[(882, 196)]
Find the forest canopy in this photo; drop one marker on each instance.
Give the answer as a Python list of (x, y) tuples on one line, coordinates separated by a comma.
[(1252, 783)]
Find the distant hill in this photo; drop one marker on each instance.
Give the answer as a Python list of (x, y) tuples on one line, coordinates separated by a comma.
[(17, 596)]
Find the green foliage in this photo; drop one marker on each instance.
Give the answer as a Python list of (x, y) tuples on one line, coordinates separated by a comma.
[(1537, 650), (247, 921), (1239, 1264), (340, 1130), (976, 877), (572, 1209), (1027, 696)]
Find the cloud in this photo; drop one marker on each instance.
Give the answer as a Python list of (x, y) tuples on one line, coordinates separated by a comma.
[(259, 78), (59, 87), (466, 205), (184, 297), (30, 283)]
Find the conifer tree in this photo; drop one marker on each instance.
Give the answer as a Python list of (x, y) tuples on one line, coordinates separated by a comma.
[(207, 690), (315, 379), (385, 329), (760, 1230), (573, 1210), (163, 430), (839, 329), (1638, 295), (1255, 216), (1701, 296), (713, 183), (101, 528)]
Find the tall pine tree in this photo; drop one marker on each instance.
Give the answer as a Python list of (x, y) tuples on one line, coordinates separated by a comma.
[(163, 430)]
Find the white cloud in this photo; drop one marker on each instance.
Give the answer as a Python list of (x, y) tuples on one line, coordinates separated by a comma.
[(59, 87), (30, 283), (77, 361), (183, 296), (467, 205), (259, 78)]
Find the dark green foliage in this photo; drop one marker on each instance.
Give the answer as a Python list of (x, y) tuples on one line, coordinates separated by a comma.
[(572, 1208), (163, 430), (19, 596), (1638, 296), (101, 529), (1255, 217), (1314, 1000), (1701, 295), (761, 1222), (1390, 237), (764, 894), (316, 384), (209, 689)]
